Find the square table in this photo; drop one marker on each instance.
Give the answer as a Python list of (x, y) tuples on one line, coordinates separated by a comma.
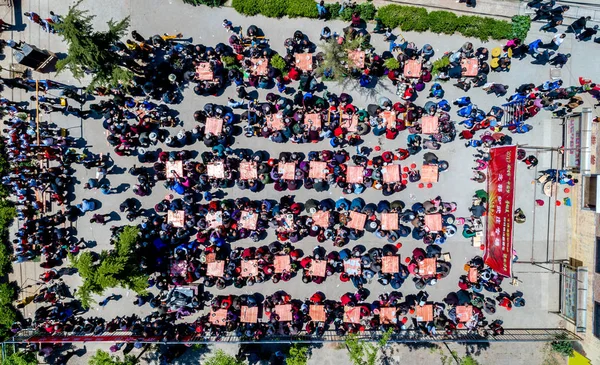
[(387, 315), (249, 268), (430, 124), (177, 218), (204, 72), (214, 220), (429, 173), (427, 267), (425, 313), (352, 266), (317, 313), (355, 174), (174, 169), (248, 220), (304, 61), (259, 66), (286, 221), (249, 314), (318, 170), (391, 173), (318, 268), (390, 264), (352, 314), (284, 311), (282, 264), (349, 122), (434, 222), (321, 218), (275, 121), (464, 313), (473, 273), (216, 170), (389, 117), (412, 68), (389, 221), (218, 317), (469, 67), (357, 58), (214, 126), (215, 268), (287, 170), (313, 120), (357, 221), (248, 170)]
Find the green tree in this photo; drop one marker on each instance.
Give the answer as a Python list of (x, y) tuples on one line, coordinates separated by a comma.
[(221, 358), (363, 352), (20, 358), (298, 355), (91, 50), (104, 358)]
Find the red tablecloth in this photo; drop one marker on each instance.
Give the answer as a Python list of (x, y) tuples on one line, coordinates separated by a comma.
[(469, 67), (412, 68), (275, 121), (249, 268), (249, 314), (391, 173), (248, 220), (284, 311), (387, 315), (317, 313), (352, 266), (424, 313), (218, 317), (177, 218), (216, 170), (288, 170), (204, 72), (317, 170), (214, 126), (354, 174), (321, 218), (313, 120), (248, 171), (304, 61), (215, 268), (318, 268), (357, 221), (282, 263), (390, 264), (430, 124), (389, 221), (429, 173), (464, 313), (351, 314), (389, 118), (427, 267), (259, 66), (434, 222)]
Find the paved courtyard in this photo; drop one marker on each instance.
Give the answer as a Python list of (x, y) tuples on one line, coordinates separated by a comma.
[(535, 240)]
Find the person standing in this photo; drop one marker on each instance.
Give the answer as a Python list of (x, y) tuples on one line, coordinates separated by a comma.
[(578, 25), (322, 10), (560, 60)]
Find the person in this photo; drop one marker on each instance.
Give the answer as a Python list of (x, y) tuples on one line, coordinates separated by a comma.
[(542, 58), (325, 34), (322, 10), (228, 25), (388, 35), (578, 25), (551, 25), (560, 60), (100, 218), (587, 34), (555, 42)]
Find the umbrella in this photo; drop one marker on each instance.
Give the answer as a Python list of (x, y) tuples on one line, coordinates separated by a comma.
[(342, 203), (397, 204), (357, 203), (383, 206), (369, 208)]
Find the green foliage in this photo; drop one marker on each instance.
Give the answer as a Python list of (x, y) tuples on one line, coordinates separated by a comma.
[(277, 8), (562, 346), (333, 10), (278, 62), (246, 7), (119, 267), (298, 355), (20, 358), (520, 26), (366, 11), (104, 358), (90, 50), (221, 358), (442, 22), (468, 360), (362, 352), (392, 64), (273, 8), (229, 61), (210, 3), (302, 9), (439, 64), (410, 18)]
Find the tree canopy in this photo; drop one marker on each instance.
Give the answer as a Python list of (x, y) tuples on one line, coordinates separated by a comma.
[(104, 358), (91, 51), (221, 358)]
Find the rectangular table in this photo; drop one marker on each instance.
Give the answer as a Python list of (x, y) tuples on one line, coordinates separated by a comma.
[(429, 173), (390, 264), (427, 267), (321, 218), (174, 169), (389, 117), (249, 268), (349, 122), (216, 170), (204, 72), (275, 121), (318, 170), (352, 266), (318, 268), (287, 222), (214, 220), (304, 61), (387, 315), (469, 67), (357, 58), (430, 124), (248, 220), (287, 170), (354, 174), (218, 317), (248, 170), (357, 221), (434, 222), (412, 68), (351, 314), (259, 66), (389, 221), (177, 218), (284, 311), (249, 314), (464, 313), (317, 313), (215, 269), (214, 126), (313, 120), (282, 264), (424, 313), (391, 173)]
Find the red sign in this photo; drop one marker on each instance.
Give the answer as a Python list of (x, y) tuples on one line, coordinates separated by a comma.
[(501, 189)]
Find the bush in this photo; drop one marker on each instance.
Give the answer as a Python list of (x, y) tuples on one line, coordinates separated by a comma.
[(439, 64), (392, 64), (273, 8), (302, 8), (19, 358), (104, 358), (205, 2), (442, 22), (246, 7), (367, 11), (333, 10), (468, 360), (562, 347), (228, 61), (278, 62), (298, 355), (520, 26), (221, 358)]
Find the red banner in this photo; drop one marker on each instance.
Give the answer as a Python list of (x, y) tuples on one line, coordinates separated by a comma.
[(501, 188)]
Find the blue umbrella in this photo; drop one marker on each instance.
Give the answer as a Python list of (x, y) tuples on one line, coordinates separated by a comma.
[(342, 203)]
